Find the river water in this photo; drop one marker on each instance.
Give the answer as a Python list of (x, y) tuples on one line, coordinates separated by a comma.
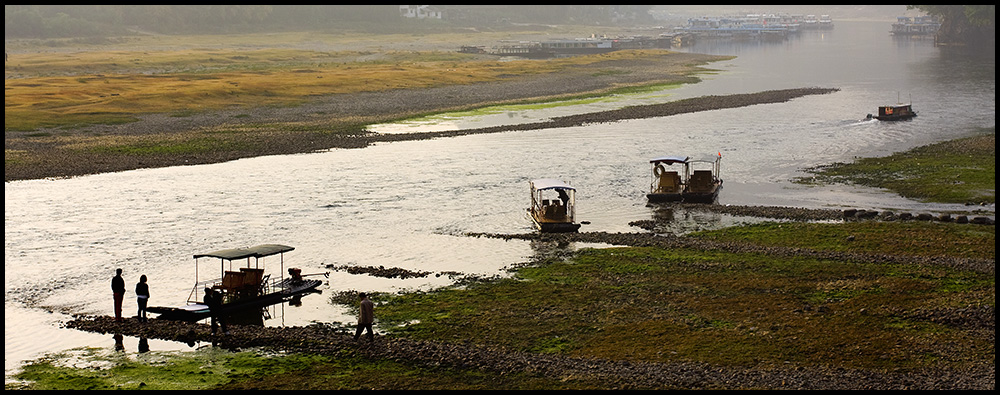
[(408, 204)]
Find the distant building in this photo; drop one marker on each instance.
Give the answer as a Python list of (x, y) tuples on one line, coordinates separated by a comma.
[(420, 12), (917, 26)]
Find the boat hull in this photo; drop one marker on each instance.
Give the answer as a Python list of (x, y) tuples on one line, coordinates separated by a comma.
[(558, 227), (895, 117), (664, 197), (708, 196)]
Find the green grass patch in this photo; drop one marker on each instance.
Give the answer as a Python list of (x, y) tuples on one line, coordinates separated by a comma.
[(627, 303), (905, 238), (616, 95), (217, 369), (956, 171), (722, 308)]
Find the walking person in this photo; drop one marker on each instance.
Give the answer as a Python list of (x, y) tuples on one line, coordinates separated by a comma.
[(142, 297), (366, 316), (118, 288)]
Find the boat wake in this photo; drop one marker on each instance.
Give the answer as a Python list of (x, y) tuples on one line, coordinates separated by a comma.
[(866, 121)]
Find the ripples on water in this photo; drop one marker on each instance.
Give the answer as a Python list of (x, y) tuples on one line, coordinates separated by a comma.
[(407, 204)]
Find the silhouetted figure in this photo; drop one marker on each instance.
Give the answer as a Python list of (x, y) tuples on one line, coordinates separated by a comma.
[(118, 288), (366, 316), (143, 345), (214, 302), (142, 297), (564, 197)]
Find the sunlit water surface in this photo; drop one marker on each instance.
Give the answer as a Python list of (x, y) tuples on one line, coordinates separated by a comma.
[(409, 204)]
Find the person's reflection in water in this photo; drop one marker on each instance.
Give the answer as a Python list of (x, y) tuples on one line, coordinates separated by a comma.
[(143, 345), (119, 342)]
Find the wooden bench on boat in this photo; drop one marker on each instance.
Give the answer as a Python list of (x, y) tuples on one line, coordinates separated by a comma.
[(701, 181), (670, 182)]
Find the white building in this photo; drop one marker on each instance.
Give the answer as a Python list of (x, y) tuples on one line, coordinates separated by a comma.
[(420, 12)]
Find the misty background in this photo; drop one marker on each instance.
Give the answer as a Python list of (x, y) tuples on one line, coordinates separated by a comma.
[(96, 21)]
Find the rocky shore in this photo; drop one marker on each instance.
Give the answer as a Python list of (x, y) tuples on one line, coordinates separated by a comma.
[(617, 374)]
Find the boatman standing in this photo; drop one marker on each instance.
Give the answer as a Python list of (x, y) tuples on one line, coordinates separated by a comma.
[(118, 288)]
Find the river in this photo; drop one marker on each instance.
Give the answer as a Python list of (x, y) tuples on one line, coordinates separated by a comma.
[(407, 204)]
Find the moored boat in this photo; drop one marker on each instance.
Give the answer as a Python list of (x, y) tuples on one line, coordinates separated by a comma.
[(703, 184), (668, 182), (553, 206), (244, 289)]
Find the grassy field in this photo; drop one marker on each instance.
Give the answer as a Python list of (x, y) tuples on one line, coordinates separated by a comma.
[(161, 101), (642, 304), (66, 85), (72, 89), (957, 171)]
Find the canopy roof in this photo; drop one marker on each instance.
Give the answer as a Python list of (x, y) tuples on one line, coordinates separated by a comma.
[(709, 158), (669, 159), (258, 251), (550, 183)]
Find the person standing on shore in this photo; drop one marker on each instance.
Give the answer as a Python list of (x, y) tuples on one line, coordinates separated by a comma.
[(142, 297), (214, 301), (366, 317), (118, 288)]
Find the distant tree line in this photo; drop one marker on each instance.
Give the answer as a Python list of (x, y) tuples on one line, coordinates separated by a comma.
[(56, 21), (963, 24)]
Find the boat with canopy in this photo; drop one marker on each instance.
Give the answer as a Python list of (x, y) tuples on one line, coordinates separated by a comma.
[(553, 206), (242, 288)]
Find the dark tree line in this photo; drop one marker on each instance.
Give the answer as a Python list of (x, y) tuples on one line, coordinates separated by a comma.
[(52, 21), (963, 24)]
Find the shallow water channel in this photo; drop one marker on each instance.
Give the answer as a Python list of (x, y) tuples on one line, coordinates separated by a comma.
[(408, 204)]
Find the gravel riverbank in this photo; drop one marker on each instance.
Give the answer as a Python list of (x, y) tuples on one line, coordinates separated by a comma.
[(617, 374)]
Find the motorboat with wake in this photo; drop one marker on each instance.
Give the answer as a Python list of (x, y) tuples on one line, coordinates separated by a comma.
[(895, 112)]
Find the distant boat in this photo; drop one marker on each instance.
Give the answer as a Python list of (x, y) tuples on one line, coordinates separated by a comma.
[(553, 206), (914, 27), (897, 112)]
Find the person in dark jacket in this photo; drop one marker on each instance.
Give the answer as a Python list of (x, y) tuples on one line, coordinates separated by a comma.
[(142, 297), (366, 316), (214, 301), (118, 288)]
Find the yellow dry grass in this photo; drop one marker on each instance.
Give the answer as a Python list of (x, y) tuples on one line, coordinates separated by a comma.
[(57, 89)]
